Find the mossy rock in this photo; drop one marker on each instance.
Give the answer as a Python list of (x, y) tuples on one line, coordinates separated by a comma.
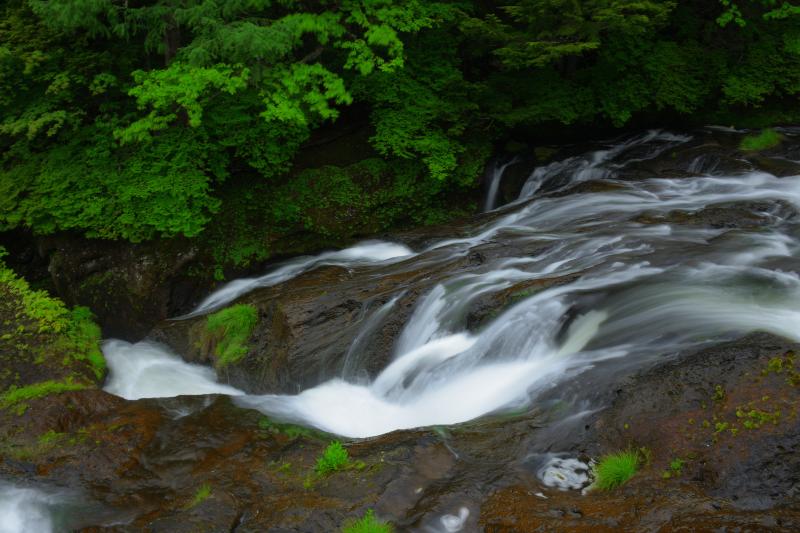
[(45, 347)]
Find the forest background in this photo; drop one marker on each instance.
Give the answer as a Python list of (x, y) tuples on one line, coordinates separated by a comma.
[(246, 124)]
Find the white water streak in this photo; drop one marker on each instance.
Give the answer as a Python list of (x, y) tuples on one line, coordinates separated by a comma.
[(365, 253), (494, 183)]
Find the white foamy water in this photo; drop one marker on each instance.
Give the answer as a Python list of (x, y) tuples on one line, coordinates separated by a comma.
[(25, 510), (452, 523), (602, 287), (365, 253), (150, 370)]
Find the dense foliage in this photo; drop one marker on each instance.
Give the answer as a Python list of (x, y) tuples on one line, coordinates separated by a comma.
[(143, 118), (41, 339)]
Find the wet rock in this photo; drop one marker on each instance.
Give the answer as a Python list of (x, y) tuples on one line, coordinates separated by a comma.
[(745, 215), (778, 166), (129, 287), (515, 176), (704, 155), (731, 420), (303, 332), (488, 306)]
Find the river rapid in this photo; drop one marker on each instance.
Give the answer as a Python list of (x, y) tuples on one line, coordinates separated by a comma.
[(644, 272)]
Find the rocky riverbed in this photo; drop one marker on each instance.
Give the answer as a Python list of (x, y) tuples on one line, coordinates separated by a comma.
[(642, 297)]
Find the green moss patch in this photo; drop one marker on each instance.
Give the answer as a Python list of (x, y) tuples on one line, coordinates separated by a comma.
[(84, 338), (368, 524), (291, 431), (49, 442), (230, 329), (45, 346), (766, 139), (15, 397)]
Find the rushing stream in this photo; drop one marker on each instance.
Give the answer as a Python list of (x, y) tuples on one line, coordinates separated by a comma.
[(640, 276)]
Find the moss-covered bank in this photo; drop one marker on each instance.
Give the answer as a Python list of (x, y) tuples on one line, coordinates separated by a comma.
[(45, 347)]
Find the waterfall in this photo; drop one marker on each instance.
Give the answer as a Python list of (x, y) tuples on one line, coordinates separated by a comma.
[(633, 284), (494, 178), (24, 509)]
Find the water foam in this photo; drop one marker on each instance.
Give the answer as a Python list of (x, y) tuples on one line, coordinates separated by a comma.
[(24, 510), (150, 370)]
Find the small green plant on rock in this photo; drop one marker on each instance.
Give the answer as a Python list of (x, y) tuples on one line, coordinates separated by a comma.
[(767, 138), (333, 459), (675, 468), (719, 427), (719, 394), (230, 328), (755, 418), (201, 495), (783, 365), (368, 524), (613, 470), (50, 437)]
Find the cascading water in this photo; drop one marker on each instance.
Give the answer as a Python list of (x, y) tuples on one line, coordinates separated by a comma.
[(49, 509), (364, 253), (147, 370), (628, 274), (600, 164), (25, 509), (495, 177)]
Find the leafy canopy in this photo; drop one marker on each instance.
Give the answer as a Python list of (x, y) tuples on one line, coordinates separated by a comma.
[(157, 118)]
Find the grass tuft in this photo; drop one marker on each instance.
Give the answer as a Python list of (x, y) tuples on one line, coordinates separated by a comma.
[(333, 459), (767, 138), (368, 524), (615, 469), (202, 494), (231, 327)]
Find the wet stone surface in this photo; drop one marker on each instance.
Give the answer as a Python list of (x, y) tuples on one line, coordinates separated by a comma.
[(714, 414)]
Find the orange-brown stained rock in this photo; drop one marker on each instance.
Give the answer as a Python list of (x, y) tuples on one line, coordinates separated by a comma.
[(644, 504)]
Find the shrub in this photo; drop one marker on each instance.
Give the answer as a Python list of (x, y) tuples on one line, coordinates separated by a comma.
[(71, 333), (333, 459), (368, 524), (615, 469), (768, 138), (231, 327), (84, 336)]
